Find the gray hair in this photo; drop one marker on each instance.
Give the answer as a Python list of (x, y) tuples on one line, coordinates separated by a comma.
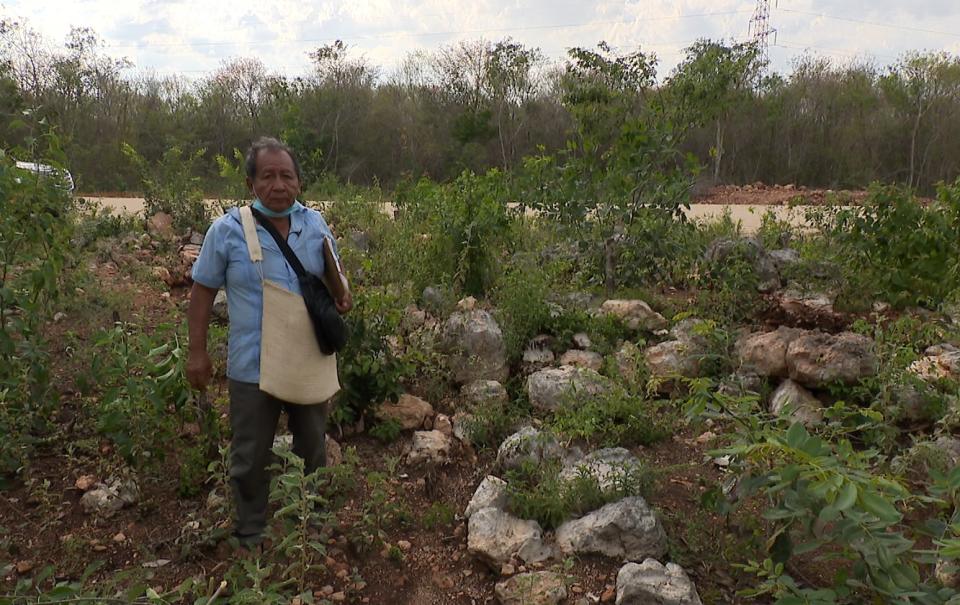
[(250, 162)]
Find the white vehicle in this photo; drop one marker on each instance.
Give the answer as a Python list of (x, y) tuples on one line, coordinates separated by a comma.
[(47, 171)]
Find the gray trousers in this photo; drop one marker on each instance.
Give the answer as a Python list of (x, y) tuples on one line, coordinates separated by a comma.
[(253, 419)]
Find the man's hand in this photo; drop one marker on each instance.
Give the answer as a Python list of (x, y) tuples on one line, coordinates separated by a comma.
[(199, 369), (345, 303)]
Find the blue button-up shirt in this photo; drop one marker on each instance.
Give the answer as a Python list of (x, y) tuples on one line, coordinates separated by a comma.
[(224, 262)]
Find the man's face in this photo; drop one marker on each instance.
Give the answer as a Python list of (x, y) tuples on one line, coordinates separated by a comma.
[(276, 182)]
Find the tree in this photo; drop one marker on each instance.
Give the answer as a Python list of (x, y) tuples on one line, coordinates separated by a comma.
[(920, 85), (510, 79), (709, 82)]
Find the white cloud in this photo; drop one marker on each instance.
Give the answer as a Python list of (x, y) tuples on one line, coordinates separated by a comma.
[(194, 37)]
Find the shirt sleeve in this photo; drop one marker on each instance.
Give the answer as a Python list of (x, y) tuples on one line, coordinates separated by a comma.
[(327, 233), (210, 270)]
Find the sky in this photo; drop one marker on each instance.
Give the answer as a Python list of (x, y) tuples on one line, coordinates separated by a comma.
[(194, 38)]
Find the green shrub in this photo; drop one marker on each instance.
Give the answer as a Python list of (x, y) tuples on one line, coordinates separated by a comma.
[(537, 491), (36, 227), (727, 287), (169, 186), (465, 225), (386, 431), (144, 393), (491, 423), (370, 372), (438, 514), (616, 419), (895, 247)]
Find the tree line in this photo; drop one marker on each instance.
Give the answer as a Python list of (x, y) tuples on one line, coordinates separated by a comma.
[(480, 104)]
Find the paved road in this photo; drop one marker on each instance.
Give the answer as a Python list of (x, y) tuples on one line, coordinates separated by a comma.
[(749, 216)]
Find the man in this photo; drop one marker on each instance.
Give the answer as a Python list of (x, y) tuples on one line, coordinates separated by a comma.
[(273, 178)]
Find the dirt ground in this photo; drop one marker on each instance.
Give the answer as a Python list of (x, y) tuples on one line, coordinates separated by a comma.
[(45, 525)]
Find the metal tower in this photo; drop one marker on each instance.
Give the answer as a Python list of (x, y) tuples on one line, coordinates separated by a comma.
[(760, 31)]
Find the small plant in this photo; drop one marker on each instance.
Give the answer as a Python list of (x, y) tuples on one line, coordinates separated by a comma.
[(386, 431), (370, 371), (541, 492), (381, 511), (616, 419), (438, 514), (142, 383), (303, 510), (490, 423)]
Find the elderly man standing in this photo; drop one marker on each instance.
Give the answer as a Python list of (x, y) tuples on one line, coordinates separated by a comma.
[(273, 178)]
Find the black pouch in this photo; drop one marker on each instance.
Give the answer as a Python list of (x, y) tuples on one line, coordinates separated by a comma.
[(329, 327)]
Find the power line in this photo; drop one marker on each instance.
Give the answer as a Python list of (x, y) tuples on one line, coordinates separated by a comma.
[(874, 23), (399, 34), (846, 52)]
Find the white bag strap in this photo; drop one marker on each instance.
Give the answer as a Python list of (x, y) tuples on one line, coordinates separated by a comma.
[(253, 240)]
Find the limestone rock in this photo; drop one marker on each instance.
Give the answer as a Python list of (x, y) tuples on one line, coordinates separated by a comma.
[(766, 352), (947, 573), (429, 447), (741, 383), (807, 409), (687, 330), (467, 303), (785, 257), (940, 362), (527, 445), (816, 359), (581, 340), (413, 318), (636, 314), (626, 530), (796, 301), (160, 225), (673, 358), (582, 359), (409, 411), (950, 446), (108, 498), (535, 359), (461, 422), (607, 466), (532, 588), (495, 537), (491, 493), (475, 346), (482, 392), (652, 583), (433, 299), (551, 388), (220, 310), (442, 423)]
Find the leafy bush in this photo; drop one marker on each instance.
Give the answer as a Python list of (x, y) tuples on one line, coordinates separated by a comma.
[(728, 286), (144, 391), (537, 491), (465, 225), (36, 226), (895, 247), (491, 423), (170, 187), (616, 419), (370, 371)]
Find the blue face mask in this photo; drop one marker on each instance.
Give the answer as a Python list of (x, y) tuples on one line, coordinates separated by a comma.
[(258, 205)]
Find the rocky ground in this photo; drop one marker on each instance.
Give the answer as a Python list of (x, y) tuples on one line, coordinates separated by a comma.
[(450, 533)]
